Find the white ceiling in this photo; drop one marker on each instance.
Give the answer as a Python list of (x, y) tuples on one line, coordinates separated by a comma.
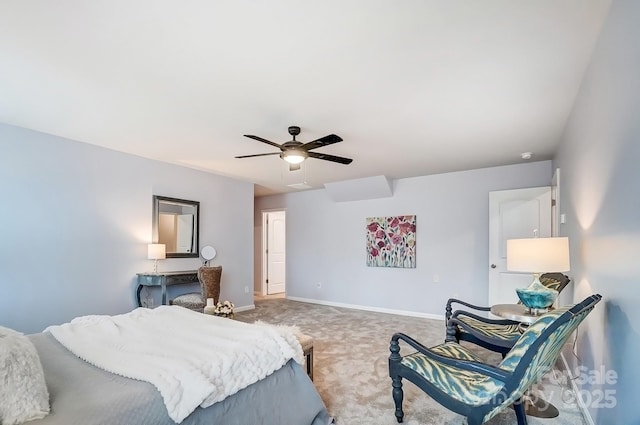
[(414, 87)]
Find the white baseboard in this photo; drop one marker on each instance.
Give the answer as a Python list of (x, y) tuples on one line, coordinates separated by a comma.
[(244, 308), (368, 308), (581, 406)]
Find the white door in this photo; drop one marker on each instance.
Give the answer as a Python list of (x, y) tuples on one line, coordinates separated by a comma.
[(184, 235), (276, 252), (514, 214)]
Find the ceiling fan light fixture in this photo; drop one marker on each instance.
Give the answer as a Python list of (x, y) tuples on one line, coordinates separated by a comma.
[(295, 153), (294, 156)]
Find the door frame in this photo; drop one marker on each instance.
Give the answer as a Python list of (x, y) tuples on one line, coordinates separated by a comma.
[(263, 250), (497, 255), (555, 203)]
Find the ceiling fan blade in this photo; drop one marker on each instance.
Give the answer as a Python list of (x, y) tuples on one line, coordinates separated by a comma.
[(333, 158), (323, 141), (260, 139), (258, 154)]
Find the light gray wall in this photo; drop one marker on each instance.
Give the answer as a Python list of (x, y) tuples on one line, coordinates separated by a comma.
[(76, 220), (326, 240), (599, 160)]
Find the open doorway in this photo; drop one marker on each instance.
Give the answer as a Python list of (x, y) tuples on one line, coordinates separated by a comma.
[(274, 252)]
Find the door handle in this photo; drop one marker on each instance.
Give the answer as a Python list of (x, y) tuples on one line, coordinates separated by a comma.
[(493, 266)]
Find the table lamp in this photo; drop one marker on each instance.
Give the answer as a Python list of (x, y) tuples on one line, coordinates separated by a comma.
[(538, 255), (156, 251)]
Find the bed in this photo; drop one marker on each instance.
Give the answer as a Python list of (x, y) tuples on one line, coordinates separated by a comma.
[(83, 394)]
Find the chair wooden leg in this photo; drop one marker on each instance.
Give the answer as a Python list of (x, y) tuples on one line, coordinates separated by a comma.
[(309, 361), (398, 395), (521, 416), (451, 334), (474, 421), (448, 312)]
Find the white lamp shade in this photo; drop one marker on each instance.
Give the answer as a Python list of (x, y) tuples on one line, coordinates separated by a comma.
[(538, 255), (156, 251)]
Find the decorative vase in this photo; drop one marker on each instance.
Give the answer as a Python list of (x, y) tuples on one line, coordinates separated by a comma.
[(537, 296), (210, 308)]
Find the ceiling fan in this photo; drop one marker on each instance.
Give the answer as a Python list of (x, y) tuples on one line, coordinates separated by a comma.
[(295, 152)]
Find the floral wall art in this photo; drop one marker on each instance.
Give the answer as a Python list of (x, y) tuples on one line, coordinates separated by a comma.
[(391, 241)]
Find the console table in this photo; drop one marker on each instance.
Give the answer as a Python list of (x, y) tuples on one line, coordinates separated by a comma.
[(517, 312), (165, 279)]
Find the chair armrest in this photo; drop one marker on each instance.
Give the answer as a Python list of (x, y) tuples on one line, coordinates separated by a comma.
[(459, 313), (472, 366), (449, 309)]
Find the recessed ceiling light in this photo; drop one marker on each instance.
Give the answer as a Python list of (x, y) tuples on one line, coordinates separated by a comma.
[(526, 155)]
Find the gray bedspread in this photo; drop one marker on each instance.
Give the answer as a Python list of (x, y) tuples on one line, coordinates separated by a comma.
[(81, 394)]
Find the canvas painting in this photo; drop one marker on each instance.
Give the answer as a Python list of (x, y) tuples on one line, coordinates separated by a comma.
[(391, 241)]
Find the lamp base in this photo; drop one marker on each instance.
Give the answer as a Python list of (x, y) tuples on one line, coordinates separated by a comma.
[(537, 297), (537, 311), (537, 407), (536, 284)]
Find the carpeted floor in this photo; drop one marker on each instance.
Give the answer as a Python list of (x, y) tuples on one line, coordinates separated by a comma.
[(351, 348)]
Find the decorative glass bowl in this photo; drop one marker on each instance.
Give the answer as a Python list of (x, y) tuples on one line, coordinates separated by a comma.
[(537, 296)]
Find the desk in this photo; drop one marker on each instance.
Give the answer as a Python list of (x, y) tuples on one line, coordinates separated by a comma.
[(163, 280), (534, 405)]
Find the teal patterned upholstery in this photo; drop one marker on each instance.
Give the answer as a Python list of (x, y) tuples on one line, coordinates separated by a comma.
[(546, 355), (458, 379), (495, 335), (469, 387), (508, 332)]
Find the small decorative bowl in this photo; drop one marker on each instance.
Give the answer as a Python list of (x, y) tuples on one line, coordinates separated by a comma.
[(537, 299)]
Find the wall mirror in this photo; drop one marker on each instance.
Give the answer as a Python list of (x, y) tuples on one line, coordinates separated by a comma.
[(176, 224)]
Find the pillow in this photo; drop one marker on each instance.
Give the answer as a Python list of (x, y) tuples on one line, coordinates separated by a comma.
[(23, 390)]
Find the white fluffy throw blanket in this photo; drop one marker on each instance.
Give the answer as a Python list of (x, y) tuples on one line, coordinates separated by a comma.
[(193, 359)]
